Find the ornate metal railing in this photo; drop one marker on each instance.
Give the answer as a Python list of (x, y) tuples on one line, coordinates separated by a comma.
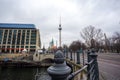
[(60, 71), (91, 68)]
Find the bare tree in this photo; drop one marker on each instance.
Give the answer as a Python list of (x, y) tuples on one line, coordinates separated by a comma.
[(116, 42), (76, 45), (91, 35)]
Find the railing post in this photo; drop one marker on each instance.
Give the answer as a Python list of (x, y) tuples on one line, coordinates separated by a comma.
[(88, 68), (66, 53), (78, 57), (93, 56), (59, 71), (83, 57), (88, 57), (71, 58)]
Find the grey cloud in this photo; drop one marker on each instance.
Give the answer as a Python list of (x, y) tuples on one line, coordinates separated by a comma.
[(75, 14)]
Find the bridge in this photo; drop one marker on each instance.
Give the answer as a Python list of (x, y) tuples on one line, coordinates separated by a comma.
[(81, 69), (42, 57)]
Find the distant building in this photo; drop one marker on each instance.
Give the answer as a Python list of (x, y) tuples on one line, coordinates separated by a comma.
[(52, 47), (16, 37)]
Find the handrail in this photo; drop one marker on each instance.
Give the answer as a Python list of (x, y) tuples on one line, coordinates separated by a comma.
[(77, 72), (72, 75), (91, 67), (90, 62)]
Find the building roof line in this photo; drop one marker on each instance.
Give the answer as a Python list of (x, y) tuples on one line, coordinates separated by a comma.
[(17, 26)]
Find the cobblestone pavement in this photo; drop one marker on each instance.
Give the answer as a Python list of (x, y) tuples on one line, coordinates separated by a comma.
[(109, 66)]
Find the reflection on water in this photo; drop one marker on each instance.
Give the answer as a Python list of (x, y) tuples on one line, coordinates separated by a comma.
[(22, 73)]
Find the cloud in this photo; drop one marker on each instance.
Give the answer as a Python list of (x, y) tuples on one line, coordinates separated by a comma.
[(75, 15)]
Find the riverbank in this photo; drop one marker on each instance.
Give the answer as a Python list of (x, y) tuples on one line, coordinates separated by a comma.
[(22, 60), (12, 56), (23, 64)]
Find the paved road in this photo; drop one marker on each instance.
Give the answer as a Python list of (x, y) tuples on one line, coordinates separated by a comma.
[(109, 66)]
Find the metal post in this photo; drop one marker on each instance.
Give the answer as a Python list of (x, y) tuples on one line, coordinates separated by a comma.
[(71, 55), (74, 56), (88, 57), (78, 57), (88, 68), (93, 56), (66, 53), (83, 57), (59, 71)]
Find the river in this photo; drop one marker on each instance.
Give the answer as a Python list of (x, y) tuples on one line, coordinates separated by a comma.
[(23, 73)]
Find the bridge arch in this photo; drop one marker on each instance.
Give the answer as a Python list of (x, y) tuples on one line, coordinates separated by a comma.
[(41, 57), (47, 60)]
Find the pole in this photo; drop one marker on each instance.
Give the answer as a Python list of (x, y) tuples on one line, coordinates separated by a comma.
[(60, 28)]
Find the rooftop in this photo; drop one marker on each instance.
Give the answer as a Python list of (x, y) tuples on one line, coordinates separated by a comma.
[(17, 26)]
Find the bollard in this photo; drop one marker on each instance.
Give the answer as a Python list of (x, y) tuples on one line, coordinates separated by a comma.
[(78, 57), (59, 71)]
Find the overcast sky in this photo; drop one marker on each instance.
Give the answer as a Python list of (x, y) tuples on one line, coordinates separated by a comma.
[(75, 15)]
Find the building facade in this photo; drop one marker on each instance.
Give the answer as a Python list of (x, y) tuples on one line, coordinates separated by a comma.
[(16, 37)]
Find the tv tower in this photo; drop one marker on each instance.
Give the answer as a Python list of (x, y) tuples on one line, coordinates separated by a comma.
[(60, 28)]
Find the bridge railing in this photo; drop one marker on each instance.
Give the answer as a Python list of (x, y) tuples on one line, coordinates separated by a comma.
[(91, 67), (61, 71)]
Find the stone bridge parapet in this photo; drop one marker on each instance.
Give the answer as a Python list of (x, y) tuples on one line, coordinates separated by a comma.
[(41, 57)]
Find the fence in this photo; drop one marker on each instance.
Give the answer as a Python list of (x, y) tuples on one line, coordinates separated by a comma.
[(60, 71), (91, 67)]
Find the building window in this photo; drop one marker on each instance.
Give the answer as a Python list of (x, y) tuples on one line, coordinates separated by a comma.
[(27, 36), (10, 31), (28, 31), (8, 46), (1, 35), (23, 31), (18, 42), (4, 42), (6, 31), (26, 46), (22, 42), (3, 46), (27, 42), (17, 46), (19, 31), (32, 46), (8, 42), (9, 36), (22, 46), (15, 31), (33, 31)]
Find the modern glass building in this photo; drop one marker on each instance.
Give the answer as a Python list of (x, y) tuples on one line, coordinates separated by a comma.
[(16, 37)]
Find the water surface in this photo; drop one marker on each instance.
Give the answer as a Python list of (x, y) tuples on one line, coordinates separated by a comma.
[(23, 73)]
